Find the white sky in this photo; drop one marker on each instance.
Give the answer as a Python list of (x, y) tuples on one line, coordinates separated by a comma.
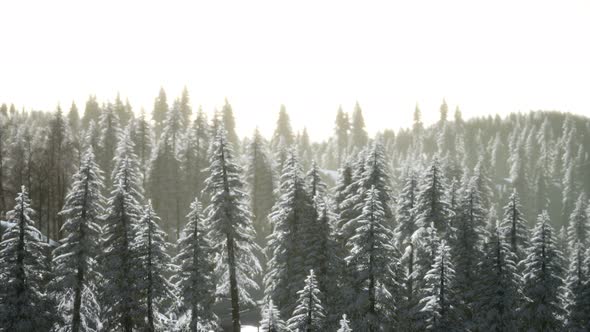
[(485, 56)]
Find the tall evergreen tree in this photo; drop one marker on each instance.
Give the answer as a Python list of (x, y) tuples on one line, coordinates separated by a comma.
[(316, 186), (231, 230), (358, 133), (289, 216), (120, 294), (342, 131), (76, 274), (283, 133), (431, 204), (24, 302), (271, 319), (439, 304), (514, 227), (577, 299), (543, 280), (91, 112), (578, 229), (160, 110), (229, 123), (196, 279), (150, 246), (110, 131), (375, 262), (143, 142), (309, 314), (499, 295)]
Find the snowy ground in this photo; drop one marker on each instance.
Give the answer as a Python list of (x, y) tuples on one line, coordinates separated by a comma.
[(249, 328)]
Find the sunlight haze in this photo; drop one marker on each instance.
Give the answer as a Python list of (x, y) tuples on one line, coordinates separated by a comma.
[(312, 56)]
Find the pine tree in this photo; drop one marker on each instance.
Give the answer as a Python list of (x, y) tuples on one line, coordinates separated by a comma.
[(151, 249), (309, 314), (466, 247), (514, 227), (24, 303), (74, 263), (439, 304), (358, 133), (578, 229), (271, 319), (229, 123), (160, 110), (499, 294), (543, 283), (196, 279), (185, 107), (431, 204), (341, 131), (316, 186), (259, 175), (283, 133), (91, 112), (120, 294), (142, 140), (344, 324), (290, 215), (231, 228), (374, 261), (110, 132), (577, 284)]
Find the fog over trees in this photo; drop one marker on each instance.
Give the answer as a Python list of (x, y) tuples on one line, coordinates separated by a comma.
[(115, 219)]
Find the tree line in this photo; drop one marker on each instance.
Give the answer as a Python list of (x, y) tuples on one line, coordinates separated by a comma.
[(123, 223)]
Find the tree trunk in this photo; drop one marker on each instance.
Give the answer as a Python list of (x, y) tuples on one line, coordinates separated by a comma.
[(233, 284)]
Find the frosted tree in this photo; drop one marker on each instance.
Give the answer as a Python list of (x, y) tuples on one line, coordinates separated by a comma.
[(375, 264), (543, 283), (283, 133), (271, 319), (344, 324), (291, 214), (75, 267), (118, 261), (439, 302), (309, 314), (358, 133), (316, 186), (499, 294), (514, 227), (230, 222), (151, 248), (578, 229), (466, 247), (577, 293), (110, 131), (431, 204), (196, 279), (259, 175), (24, 302), (141, 135)]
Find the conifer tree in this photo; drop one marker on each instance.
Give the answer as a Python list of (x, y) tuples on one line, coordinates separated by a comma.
[(499, 295), (283, 133), (229, 123), (91, 112), (259, 175), (110, 132), (543, 283), (290, 215), (439, 304), (76, 274), (196, 279), (185, 107), (143, 143), (120, 294), (514, 227), (231, 228), (271, 319), (316, 186), (578, 229), (151, 248), (342, 131), (576, 302), (358, 133), (431, 204), (160, 110), (374, 261), (344, 324), (309, 314), (24, 302)]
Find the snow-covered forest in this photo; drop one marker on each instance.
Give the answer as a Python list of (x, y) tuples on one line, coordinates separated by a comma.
[(116, 219)]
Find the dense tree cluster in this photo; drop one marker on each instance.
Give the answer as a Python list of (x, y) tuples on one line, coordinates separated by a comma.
[(124, 222)]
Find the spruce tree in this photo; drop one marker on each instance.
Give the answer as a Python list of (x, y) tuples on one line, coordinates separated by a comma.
[(577, 284), (358, 134), (499, 293), (514, 227), (374, 261), (231, 228), (119, 262), (432, 205), (229, 123), (439, 303), (309, 314), (290, 216), (24, 303), (151, 248), (283, 133), (110, 132), (75, 267), (543, 283), (341, 132), (160, 110), (271, 319), (91, 111), (196, 279), (578, 228), (344, 324), (316, 186)]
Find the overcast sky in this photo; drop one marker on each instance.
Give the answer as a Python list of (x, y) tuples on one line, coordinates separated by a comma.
[(485, 56)]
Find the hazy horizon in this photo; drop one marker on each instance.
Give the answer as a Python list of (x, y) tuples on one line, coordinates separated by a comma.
[(487, 58)]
